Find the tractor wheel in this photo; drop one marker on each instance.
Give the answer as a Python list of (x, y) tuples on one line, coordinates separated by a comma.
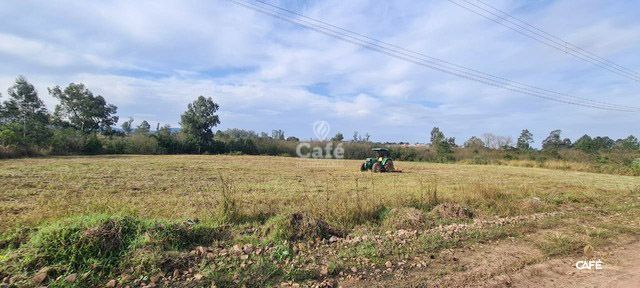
[(363, 166), (377, 167), (388, 167)]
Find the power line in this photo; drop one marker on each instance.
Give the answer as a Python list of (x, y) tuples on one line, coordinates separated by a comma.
[(505, 19), (424, 60), (504, 80)]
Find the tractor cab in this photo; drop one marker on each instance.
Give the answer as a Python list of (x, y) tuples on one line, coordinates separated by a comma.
[(382, 163)]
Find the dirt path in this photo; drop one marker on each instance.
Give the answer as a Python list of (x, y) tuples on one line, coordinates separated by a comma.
[(518, 264), (621, 268)]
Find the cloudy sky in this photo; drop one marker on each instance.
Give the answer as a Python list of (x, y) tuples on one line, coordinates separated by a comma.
[(151, 58)]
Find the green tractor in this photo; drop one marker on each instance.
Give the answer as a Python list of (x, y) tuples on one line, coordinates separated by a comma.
[(381, 164)]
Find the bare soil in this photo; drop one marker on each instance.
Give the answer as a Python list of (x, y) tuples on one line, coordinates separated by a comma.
[(510, 263), (621, 268)]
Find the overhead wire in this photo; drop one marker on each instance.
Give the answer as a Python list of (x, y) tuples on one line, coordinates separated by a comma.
[(425, 60), (505, 19)]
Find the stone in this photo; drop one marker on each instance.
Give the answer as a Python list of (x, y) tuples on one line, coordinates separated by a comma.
[(41, 275), (324, 270), (71, 278)]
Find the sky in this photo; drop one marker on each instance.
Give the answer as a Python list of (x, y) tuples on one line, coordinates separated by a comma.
[(152, 58)]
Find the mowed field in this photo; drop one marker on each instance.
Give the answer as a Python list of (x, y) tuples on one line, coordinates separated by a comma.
[(429, 208)]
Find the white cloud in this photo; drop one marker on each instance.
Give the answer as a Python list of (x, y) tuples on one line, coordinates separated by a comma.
[(152, 58)]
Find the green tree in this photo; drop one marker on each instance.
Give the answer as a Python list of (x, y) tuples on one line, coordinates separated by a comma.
[(338, 138), (444, 146), (553, 142), (356, 137), (166, 140), (524, 140), (25, 115), (585, 143), (436, 136), (629, 143), (197, 122), (126, 126), (277, 134), (143, 128), (474, 143), (81, 110), (603, 143)]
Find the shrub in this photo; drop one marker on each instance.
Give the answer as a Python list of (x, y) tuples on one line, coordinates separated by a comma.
[(404, 218), (67, 141), (101, 244), (560, 245), (299, 226), (635, 166)]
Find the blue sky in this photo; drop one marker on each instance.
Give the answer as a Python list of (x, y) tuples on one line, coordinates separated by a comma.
[(151, 58)]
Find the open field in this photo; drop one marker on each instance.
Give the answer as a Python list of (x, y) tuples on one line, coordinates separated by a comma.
[(224, 209)]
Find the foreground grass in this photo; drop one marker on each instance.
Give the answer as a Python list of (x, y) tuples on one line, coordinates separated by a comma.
[(63, 214)]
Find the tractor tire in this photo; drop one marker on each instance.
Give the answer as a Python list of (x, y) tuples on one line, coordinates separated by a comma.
[(388, 167), (377, 167), (363, 166)]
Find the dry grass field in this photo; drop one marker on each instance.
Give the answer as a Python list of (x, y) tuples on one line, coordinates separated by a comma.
[(315, 222)]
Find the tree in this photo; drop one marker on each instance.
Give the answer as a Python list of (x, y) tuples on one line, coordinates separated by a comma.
[(338, 138), (2, 112), (293, 139), (436, 136), (166, 140), (143, 128), (81, 110), (524, 140), (603, 143), (629, 143), (356, 137), (585, 143), (277, 134), (25, 114), (126, 126), (474, 143), (197, 122), (442, 145), (554, 141)]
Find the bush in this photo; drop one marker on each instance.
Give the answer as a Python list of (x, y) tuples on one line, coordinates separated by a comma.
[(635, 166), (142, 144), (101, 244), (8, 152), (67, 141)]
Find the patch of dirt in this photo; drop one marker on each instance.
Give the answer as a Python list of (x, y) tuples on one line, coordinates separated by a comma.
[(452, 211), (620, 268), (405, 218), (517, 263), (306, 227), (464, 267), (174, 260), (531, 204), (108, 235)]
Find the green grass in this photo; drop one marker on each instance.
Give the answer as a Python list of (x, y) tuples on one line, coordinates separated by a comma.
[(100, 245), (561, 245)]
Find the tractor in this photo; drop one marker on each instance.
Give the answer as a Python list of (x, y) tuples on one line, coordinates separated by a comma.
[(381, 164)]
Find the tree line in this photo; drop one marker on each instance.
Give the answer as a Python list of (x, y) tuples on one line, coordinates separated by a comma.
[(85, 123)]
